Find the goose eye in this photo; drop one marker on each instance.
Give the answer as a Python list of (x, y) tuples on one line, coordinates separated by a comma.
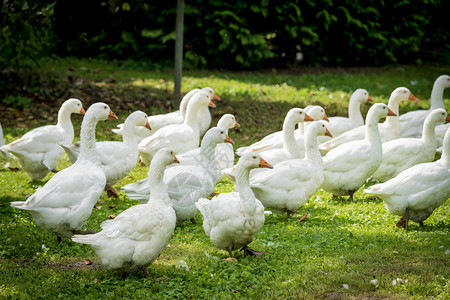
[(254, 157), (221, 132), (105, 107)]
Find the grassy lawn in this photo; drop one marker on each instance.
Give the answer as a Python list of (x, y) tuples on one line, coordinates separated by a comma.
[(344, 250)]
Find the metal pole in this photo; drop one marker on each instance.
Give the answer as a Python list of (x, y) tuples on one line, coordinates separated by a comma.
[(178, 68)]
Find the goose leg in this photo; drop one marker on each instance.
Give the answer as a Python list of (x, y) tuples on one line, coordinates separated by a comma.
[(146, 272), (289, 213), (351, 196), (230, 253), (403, 222), (248, 251), (110, 191)]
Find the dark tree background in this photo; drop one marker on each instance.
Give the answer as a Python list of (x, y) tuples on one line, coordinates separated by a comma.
[(229, 34)]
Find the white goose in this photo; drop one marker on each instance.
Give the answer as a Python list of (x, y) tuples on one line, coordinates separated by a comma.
[(348, 166), (389, 129), (224, 152), (176, 117), (38, 151), (117, 159), (403, 153), (292, 182), (65, 202), (179, 137), (187, 183), (275, 139), (416, 192), (339, 125), (291, 148), (232, 220), (134, 239), (411, 123)]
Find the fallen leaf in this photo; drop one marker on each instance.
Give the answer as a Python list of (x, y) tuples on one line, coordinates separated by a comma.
[(111, 206), (410, 241), (111, 217), (303, 218), (88, 262), (98, 207), (96, 280), (230, 259), (234, 291)]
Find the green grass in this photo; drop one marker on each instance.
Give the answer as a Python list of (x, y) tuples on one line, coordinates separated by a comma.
[(341, 242)]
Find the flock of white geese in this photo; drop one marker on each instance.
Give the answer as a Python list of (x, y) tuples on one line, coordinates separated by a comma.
[(280, 172)]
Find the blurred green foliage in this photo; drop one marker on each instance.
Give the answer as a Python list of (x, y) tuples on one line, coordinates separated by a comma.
[(229, 34)]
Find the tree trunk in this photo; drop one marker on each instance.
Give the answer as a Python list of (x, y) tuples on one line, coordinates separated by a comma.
[(178, 68)]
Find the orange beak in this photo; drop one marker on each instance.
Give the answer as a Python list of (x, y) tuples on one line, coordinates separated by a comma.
[(112, 115), (369, 98), (391, 113), (236, 124), (447, 119), (175, 160), (229, 140), (327, 133), (82, 111), (325, 117), (264, 164), (216, 97), (148, 126), (412, 97), (211, 104), (308, 118)]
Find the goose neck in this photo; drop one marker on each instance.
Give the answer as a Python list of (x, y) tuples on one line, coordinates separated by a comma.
[(88, 149), (446, 148), (289, 142), (243, 186), (129, 137), (208, 156), (429, 132), (64, 120), (156, 181), (191, 114), (354, 112), (437, 95), (372, 130), (312, 151)]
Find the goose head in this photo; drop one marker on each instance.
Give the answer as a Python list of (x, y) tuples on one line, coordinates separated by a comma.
[(165, 156), (378, 111), (139, 118), (100, 111), (318, 128), (361, 96), (298, 115), (73, 106), (443, 81), (217, 135), (439, 115), (251, 161), (201, 98), (228, 121), (316, 112), (211, 93), (400, 94)]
